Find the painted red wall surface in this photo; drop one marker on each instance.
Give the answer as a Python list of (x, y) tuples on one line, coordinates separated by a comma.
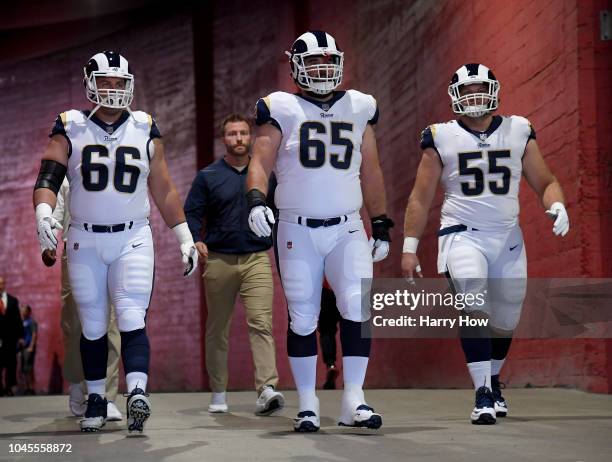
[(553, 69)]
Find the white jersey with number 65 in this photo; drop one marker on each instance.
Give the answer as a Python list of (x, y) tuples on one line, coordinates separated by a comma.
[(481, 171), (319, 158), (108, 166)]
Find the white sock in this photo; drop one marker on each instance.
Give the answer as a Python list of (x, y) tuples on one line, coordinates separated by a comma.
[(304, 371), (481, 374), (96, 386), (354, 370), (136, 380), (496, 365), (217, 398)]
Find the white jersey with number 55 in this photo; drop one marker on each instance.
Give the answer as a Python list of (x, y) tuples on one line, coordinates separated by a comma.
[(481, 171), (319, 157), (108, 166)]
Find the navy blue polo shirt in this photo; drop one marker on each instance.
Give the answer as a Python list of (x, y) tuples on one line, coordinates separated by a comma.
[(218, 195)]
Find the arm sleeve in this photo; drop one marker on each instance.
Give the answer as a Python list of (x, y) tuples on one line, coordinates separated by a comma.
[(195, 205), (263, 115)]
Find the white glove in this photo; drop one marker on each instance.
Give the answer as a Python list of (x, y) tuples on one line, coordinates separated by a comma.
[(380, 249), (46, 225), (558, 212), (260, 219), (188, 249)]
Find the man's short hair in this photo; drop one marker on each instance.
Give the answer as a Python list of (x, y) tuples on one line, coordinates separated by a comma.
[(234, 118)]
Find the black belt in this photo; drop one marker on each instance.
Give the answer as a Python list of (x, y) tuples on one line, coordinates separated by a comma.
[(454, 229), (318, 222), (108, 228)]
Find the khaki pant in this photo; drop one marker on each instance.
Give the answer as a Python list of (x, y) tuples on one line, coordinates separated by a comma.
[(71, 328), (249, 275)]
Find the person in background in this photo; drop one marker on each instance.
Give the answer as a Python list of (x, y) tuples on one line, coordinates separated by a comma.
[(28, 349), (11, 335)]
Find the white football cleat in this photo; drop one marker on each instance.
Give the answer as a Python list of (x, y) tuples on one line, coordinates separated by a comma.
[(138, 410), (484, 409), (95, 415), (308, 421), (363, 416)]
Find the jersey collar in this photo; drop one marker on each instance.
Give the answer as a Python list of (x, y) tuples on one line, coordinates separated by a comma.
[(495, 123), (109, 128), (325, 105)]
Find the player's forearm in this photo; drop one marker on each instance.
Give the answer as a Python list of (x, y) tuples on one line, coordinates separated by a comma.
[(44, 195), (552, 193), (169, 204), (374, 195), (415, 218), (257, 177)]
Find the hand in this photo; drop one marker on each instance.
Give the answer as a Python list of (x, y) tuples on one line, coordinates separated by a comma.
[(410, 265), (380, 249), (558, 212), (49, 257), (260, 219), (190, 258), (379, 242), (202, 252), (46, 235)]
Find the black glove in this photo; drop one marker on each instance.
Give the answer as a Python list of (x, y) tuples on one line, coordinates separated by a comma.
[(380, 228)]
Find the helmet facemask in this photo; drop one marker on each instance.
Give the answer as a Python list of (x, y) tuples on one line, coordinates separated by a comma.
[(106, 97), (320, 79), (474, 104)]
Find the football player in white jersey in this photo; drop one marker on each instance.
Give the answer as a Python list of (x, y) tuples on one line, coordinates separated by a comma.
[(479, 158), (322, 147), (113, 158)]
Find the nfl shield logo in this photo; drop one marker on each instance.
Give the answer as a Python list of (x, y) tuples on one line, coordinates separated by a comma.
[(110, 130), (289, 244), (76, 246), (325, 107)]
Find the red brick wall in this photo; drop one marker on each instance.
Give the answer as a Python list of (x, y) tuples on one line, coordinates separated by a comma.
[(32, 93), (553, 69)]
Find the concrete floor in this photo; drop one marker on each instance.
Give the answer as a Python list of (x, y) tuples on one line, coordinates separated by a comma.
[(422, 425)]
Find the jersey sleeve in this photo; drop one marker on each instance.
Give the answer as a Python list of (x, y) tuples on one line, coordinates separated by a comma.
[(427, 140), (154, 129), (373, 120), (263, 114), (532, 134), (59, 126)]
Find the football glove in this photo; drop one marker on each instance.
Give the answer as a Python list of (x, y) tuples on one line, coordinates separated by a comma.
[(46, 226), (188, 250), (261, 217), (559, 214), (380, 240)]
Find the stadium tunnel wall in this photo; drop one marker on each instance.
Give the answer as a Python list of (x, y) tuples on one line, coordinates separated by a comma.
[(553, 68)]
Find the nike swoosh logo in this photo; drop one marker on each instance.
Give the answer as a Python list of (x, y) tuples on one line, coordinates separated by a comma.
[(136, 245), (353, 231), (512, 248)]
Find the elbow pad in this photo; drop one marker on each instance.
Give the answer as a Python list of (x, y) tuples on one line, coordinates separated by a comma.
[(51, 175)]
